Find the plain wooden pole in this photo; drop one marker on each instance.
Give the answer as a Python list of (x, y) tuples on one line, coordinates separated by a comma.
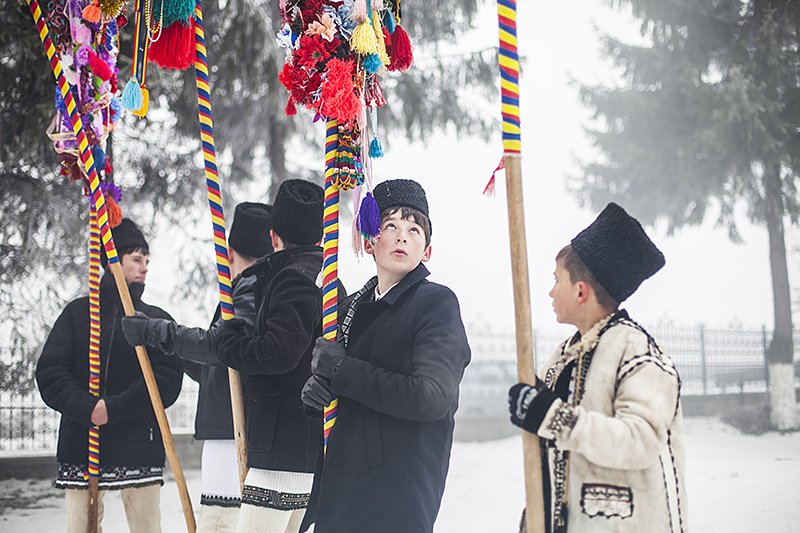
[(158, 405), (237, 408), (94, 503), (526, 359)]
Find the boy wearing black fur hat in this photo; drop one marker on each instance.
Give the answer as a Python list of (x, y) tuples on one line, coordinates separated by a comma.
[(396, 372), (131, 449), (275, 362), (221, 496), (607, 406)]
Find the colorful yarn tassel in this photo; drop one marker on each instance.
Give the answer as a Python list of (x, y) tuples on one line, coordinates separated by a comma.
[(99, 157), (142, 111), (91, 12), (132, 97), (114, 212), (375, 148), (372, 63), (369, 217), (388, 21), (99, 67), (401, 53), (175, 48), (363, 40)]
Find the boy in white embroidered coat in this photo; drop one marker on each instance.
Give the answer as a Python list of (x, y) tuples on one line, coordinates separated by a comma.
[(607, 406)]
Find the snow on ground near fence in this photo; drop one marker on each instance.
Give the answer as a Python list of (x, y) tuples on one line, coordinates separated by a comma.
[(736, 483)]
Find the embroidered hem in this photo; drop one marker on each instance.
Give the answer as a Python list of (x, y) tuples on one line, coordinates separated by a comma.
[(272, 499), (210, 500), (111, 478)]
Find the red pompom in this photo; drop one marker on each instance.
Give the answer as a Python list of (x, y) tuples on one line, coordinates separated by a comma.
[(401, 55), (338, 99), (114, 84), (175, 48), (99, 67), (290, 108), (109, 169)]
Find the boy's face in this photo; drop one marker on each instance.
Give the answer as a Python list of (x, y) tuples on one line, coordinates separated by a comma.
[(566, 296), (400, 247), (134, 266)]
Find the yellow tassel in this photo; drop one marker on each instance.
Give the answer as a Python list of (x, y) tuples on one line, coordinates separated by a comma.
[(364, 41), (142, 111), (376, 25)]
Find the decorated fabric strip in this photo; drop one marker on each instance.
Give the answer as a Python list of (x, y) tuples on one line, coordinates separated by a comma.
[(212, 500), (114, 478), (599, 500), (272, 499)]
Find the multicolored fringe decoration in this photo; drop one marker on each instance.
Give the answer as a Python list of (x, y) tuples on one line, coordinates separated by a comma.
[(87, 52), (94, 336), (330, 260)]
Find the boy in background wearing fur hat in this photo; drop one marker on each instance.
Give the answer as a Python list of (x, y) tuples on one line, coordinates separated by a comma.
[(396, 371), (131, 449), (607, 406), (221, 496), (275, 362)]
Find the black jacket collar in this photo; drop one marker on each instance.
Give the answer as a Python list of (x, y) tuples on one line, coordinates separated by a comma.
[(276, 260), (412, 278), (108, 289)]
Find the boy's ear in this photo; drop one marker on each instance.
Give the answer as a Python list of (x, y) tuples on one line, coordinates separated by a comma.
[(583, 292), (426, 255), (369, 246)]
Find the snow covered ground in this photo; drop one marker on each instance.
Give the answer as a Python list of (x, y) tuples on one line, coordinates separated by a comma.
[(736, 483)]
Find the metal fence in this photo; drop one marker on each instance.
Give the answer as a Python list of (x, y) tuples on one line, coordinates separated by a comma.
[(710, 361)]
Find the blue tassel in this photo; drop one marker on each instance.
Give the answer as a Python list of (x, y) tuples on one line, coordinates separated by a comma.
[(388, 21), (99, 157), (132, 98), (369, 217), (372, 63), (375, 148)]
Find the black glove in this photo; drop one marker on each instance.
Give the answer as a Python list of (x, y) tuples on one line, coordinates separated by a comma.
[(141, 330), (234, 326), (316, 393), (327, 356), (528, 404)]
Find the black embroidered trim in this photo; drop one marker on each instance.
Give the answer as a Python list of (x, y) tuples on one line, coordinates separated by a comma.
[(272, 499), (666, 492), (71, 476), (219, 501), (606, 493), (565, 416), (677, 484)]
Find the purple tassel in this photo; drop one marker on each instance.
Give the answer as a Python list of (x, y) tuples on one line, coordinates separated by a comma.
[(369, 217)]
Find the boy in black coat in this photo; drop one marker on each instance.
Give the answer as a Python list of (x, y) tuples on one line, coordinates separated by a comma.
[(221, 495), (131, 450), (396, 372), (275, 362)]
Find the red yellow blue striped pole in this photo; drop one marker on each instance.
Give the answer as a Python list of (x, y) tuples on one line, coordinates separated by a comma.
[(508, 58), (205, 118), (330, 259), (94, 364), (113, 258)]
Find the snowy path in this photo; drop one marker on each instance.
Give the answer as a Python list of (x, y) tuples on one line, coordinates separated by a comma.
[(736, 483)]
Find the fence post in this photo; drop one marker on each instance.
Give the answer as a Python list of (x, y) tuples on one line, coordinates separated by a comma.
[(765, 345), (703, 376)]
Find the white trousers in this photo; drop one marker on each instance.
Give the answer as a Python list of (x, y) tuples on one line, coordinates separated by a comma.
[(142, 509), (254, 519)]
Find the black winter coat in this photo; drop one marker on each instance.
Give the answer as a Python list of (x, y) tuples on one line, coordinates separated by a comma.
[(389, 451), (131, 437), (213, 420), (275, 362)]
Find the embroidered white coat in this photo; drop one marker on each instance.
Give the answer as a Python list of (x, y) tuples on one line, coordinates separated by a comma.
[(626, 468)]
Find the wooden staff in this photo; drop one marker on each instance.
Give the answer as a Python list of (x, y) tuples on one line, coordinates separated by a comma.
[(508, 58)]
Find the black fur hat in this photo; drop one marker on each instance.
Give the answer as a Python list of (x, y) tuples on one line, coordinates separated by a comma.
[(250, 229), (618, 252), (127, 237), (402, 193), (297, 212)]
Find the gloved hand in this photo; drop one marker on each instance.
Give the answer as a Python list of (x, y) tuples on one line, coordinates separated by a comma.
[(234, 326), (326, 358), (528, 404), (141, 330), (316, 393)]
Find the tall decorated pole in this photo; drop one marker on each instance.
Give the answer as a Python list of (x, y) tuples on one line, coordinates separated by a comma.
[(93, 470), (508, 57), (336, 53), (330, 259), (218, 225), (99, 202)]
